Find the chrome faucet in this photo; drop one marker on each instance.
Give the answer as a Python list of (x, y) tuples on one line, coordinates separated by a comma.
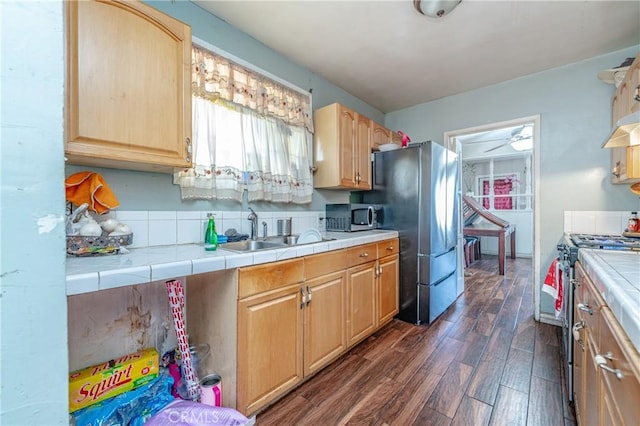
[(264, 230), (253, 217)]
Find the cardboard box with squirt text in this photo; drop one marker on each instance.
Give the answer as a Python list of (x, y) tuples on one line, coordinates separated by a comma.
[(102, 381)]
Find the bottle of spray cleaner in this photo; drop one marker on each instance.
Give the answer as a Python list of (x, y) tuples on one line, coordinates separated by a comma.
[(210, 235)]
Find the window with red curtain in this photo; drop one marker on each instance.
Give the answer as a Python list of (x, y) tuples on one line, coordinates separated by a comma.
[(500, 188)]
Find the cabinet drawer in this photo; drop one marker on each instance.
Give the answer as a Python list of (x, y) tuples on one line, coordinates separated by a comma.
[(389, 247), (325, 263), (620, 355), (256, 279), (361, 254)]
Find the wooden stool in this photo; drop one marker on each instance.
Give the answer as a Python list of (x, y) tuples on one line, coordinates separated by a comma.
[(471, 250)]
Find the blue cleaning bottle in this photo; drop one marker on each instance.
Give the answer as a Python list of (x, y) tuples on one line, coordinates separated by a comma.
[(210, 235)]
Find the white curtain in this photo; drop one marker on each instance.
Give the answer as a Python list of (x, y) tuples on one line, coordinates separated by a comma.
[(235, 147)]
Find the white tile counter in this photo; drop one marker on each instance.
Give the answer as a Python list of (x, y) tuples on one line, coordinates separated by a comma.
[(616, 274), (149, 264)]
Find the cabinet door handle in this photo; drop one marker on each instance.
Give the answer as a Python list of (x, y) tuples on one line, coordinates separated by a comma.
[(601, 360), (576, 332), (308, 295), (617, 170), (377, 271), (390, 248), (187, 141), (584, 307), (364, 255), (576, 329), (303, 298), (636, 97)]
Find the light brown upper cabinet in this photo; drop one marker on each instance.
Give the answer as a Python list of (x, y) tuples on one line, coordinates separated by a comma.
[(625, 161), (342, 143), (634, 85), (379, 135), (128, 87)]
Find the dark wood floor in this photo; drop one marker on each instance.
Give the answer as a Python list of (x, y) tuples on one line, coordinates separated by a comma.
[(485, 361)]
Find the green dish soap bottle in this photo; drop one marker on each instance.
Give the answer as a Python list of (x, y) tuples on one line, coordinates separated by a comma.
[(211, 236)]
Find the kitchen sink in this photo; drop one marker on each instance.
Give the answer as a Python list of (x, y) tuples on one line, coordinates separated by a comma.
[(289, 240), (268, 243), (251, 245)]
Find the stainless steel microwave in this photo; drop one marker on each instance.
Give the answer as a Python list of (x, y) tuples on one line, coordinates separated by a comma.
[(352, 217)]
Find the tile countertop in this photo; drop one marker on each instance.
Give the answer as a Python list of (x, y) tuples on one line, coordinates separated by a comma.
[(148, 264), (616, 274)]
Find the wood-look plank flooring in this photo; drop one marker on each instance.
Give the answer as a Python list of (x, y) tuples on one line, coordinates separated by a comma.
[(485, 361)]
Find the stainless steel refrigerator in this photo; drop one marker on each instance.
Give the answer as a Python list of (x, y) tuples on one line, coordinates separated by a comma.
[(417, 187)]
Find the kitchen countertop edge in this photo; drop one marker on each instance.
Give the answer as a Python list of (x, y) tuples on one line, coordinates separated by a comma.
[(149, 264)]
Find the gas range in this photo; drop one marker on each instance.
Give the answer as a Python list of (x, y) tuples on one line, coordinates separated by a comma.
[(568, 247), (570, 243), (605, 242)]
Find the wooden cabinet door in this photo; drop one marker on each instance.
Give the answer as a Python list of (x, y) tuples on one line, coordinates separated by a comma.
[(270, 333), (388, 297), (396, 138), (623, 106), (347, 123), (128, 99), (379, 135), (361, 302), (620, 356), (634, 85), (363, 153), (591, 408), (633, 162), (324, 320), (579, 357)]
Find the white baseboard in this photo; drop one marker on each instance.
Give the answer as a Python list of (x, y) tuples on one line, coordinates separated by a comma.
[(550, 319)]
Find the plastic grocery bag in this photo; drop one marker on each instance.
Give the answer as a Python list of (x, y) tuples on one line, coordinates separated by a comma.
[(189, 413), (131, 408)]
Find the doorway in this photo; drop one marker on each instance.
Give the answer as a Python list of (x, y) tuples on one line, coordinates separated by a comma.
[(498, 166)]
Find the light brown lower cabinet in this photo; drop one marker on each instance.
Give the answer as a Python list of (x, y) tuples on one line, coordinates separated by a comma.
[(270, 346), (620, 373), (361, 296), (297, 316), (324, 321), (361, 292), (606, 365), (388, 285)]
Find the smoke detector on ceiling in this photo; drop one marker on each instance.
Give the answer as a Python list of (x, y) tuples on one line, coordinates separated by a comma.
[(435, 8)]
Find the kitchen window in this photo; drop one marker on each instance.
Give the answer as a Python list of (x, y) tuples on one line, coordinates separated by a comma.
[(250, 133)]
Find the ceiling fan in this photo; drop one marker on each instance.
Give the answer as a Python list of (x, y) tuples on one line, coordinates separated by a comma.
[(520, 139)]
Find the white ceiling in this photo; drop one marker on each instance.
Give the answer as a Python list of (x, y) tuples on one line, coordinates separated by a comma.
[(391, 57)]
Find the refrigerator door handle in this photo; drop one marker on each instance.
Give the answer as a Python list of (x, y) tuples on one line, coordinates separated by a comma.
[(441, 280)]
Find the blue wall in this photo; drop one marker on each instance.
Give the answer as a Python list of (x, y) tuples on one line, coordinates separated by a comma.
[(33, 302), (574, 108)]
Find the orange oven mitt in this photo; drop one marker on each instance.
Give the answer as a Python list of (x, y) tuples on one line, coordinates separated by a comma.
[(90, 188)]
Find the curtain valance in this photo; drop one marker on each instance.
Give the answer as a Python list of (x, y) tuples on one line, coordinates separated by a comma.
[(214, 77)]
